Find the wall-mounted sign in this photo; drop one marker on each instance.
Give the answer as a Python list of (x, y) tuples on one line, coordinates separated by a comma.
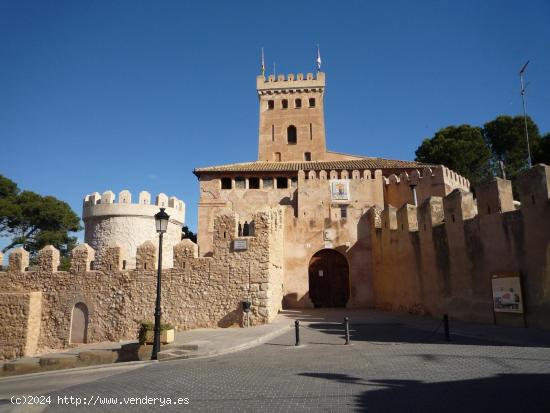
[(339, 190), (240, 244), (507, 293)]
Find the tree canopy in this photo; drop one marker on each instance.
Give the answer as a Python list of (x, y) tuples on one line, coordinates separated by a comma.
[(33, 221), (460, 148), (187, 233), (475, 152), (506, 137)]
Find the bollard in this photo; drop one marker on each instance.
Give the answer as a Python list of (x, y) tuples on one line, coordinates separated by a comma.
[(297, 330), (346, 323), (446, 327)]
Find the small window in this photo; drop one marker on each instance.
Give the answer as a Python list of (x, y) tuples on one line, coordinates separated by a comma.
[(307, 156), (298, 103), (277, 156), (282, 182), (291, 135), (343, 211), (254, 183), (272, 133), (226, 183), (311, 102), (123, 264), (271, 104), (310, 132), (268, 182), (284, 103), (240, 183)]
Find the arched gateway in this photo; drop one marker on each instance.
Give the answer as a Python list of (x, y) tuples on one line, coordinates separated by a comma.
[(328, 279)]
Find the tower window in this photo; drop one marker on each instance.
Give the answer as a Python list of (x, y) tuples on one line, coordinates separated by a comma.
[(282, 182), (284, 103), (272, 133), (291, 135), (271, 104), (277, 156), (311, 102), (307, 156), (254, 183), (298, 103), (310, 132), (226, 183)]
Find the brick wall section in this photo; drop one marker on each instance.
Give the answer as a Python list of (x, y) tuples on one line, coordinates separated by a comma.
[(197, 292)]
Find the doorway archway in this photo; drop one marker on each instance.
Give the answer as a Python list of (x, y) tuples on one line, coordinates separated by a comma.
[(328, 279), (79, 324)]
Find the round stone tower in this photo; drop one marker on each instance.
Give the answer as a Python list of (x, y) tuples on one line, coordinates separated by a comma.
[(109, 222)]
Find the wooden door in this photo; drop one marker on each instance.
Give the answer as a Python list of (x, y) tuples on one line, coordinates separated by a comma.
[(328, 279)]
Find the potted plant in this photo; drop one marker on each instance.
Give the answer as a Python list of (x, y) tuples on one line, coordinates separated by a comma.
[(147, 333)]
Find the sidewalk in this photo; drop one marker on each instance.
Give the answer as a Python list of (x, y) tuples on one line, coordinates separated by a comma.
[(208, 342), (204, 342)]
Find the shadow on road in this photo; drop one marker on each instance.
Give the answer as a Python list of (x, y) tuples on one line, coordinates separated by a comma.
[(502, 393)]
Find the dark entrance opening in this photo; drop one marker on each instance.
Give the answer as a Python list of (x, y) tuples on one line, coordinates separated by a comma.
[(328, 279)]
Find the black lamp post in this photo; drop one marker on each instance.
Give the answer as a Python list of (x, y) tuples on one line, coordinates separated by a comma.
[(161, 223)]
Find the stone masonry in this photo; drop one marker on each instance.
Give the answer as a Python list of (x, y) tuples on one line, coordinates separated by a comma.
[(36, 307)]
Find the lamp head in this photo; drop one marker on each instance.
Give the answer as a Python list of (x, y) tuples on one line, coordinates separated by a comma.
[(161, 221)]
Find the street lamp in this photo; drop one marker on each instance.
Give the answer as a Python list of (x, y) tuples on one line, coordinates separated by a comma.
[(161, 223)]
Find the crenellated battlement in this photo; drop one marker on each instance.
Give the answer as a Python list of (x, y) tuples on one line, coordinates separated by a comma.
[(290, 83), (436, 181), (97, 204), (493, 197)]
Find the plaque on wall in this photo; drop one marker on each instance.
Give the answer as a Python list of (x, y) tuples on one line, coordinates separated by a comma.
[(507, 296), (240, 245), (339, 190)]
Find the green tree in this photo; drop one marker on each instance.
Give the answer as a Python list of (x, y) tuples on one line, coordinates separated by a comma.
[(460, 148), (543, 151), (506, 137), (33, 221), (187, 233)]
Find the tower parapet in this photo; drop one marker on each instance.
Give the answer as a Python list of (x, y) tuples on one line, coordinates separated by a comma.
[(290, 83), (118, 221)]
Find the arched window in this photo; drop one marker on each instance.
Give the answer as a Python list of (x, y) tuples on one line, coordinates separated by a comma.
[(311, 102), (291, 135), (285, 103), (298, 103)]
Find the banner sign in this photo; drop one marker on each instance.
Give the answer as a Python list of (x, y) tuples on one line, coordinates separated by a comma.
[(507, 296)]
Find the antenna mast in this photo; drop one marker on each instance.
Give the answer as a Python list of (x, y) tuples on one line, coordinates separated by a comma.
[(523, 86)]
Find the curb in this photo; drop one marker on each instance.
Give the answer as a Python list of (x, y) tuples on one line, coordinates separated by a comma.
[(234, 349), (77, 369)]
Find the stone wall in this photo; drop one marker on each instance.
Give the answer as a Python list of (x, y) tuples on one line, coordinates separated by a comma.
[(196, 292), (20, 321), (440, 257)]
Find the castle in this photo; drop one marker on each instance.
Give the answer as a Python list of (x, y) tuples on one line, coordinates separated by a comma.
[(300, 227)]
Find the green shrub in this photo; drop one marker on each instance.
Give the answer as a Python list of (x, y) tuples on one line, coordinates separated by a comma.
[(145, 326)]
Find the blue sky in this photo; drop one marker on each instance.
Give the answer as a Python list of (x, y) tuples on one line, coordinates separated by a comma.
[(98, 95)]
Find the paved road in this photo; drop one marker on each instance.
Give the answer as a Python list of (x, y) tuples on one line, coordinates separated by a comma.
[(389, 368)]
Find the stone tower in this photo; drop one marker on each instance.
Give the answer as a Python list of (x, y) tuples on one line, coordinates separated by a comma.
[(292, 125), (121, 222)]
